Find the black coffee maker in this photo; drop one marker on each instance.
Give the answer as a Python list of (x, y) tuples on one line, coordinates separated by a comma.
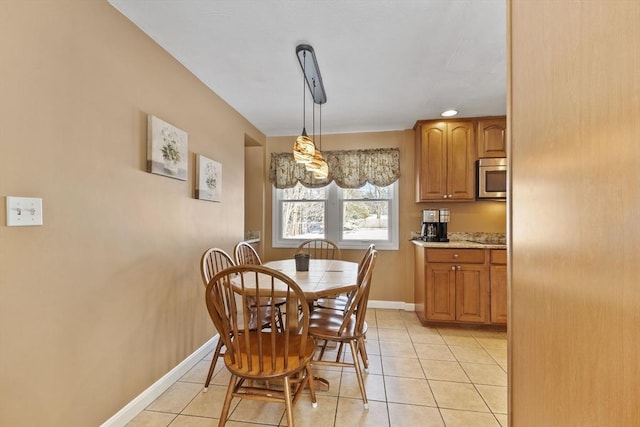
[(445, 214), (430, 220), (434, 225)]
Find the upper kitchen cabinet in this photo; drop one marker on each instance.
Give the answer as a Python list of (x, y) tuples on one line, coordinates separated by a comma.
[(445, 161), (492, 138)]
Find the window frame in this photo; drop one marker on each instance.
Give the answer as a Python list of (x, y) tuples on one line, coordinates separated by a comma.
[(334, 219)]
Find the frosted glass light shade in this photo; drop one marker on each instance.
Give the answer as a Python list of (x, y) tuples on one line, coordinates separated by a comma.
[(303, 149), (322, 172), (318, 166), (314, 164)]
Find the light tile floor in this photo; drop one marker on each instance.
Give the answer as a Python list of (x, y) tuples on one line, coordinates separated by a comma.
[(418, 375)]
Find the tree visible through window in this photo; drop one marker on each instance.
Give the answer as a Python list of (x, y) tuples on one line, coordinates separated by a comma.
[(365, 213), (303, 212), (351, 217)]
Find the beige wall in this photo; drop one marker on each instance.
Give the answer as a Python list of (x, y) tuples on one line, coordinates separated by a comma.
[(393, 278), (254, 190), (106, 297), (575, 223)]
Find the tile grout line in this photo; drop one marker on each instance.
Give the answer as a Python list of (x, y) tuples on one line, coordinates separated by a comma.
[(384, 379), (424, 372), (406, 325)]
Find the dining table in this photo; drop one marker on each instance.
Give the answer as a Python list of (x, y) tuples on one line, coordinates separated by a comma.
[(325, 277)]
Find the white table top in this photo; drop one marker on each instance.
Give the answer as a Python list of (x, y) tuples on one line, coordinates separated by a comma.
[(324, 278)]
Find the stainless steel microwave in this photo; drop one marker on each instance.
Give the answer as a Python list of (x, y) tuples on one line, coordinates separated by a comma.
[(491, 182)]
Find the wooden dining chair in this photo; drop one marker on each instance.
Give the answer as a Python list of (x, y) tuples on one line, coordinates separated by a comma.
[(213, 261), (344, 302), (320, 249), (261, 360), (346, 327), (340, 302), (244, 253)]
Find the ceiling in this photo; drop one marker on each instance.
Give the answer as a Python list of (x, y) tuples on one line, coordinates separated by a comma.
[(385, 64)]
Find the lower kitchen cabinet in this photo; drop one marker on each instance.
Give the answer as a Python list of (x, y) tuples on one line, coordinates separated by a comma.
[(471, 293), (456, 292), (440, 293), (498, 277), (455, 286)]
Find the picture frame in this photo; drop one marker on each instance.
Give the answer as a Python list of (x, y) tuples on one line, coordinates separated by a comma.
[(167, 149), (208, 179)]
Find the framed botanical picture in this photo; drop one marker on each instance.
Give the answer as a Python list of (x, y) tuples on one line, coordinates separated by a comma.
[(208, 179), (166, 149)]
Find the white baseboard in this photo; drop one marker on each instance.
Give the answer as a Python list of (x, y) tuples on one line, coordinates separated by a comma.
[(154, 391), (392, 305)]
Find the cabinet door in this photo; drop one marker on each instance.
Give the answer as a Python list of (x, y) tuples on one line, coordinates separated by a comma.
[(471, 293), (441, 292), (498, 276), (492, 139), (460, 161), (432, 162)]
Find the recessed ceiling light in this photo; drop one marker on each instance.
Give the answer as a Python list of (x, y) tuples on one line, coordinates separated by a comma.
[(449, 113)]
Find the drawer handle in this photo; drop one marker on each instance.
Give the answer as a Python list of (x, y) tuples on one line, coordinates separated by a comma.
[(455, 256)]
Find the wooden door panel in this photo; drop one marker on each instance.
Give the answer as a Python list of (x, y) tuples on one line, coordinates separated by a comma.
[(498, 276), (471, 294), (441, 288), (460, 161), (433, 155), (492, 140)]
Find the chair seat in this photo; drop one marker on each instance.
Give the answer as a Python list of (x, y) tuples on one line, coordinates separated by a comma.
[(326, 323), (269, 370), (334, 303), (265, 316)]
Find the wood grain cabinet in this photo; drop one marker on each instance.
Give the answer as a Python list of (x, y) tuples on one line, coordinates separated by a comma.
[(491, 138), (445, 161), (498, 280), (457, 285)]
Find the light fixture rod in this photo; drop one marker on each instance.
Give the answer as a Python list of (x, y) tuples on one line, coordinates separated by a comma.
[(311, 72), (304, 101), (320, 139)]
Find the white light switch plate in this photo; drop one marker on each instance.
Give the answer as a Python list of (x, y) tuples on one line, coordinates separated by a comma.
[(24, 211)]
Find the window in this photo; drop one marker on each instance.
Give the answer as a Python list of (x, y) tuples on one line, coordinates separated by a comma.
[(353, 218)]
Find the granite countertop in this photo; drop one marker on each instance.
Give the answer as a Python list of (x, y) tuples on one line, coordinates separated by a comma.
[(468, 240)]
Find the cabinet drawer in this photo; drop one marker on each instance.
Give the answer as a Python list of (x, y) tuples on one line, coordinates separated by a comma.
[(498, 256), (464, 256)]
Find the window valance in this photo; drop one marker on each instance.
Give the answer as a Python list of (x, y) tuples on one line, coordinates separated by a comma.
[(348, 168)]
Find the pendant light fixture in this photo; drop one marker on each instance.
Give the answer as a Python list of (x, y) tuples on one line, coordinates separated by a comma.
[(322, 169), (304, 150), (318, 166), (311, 72), (303, 147)]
